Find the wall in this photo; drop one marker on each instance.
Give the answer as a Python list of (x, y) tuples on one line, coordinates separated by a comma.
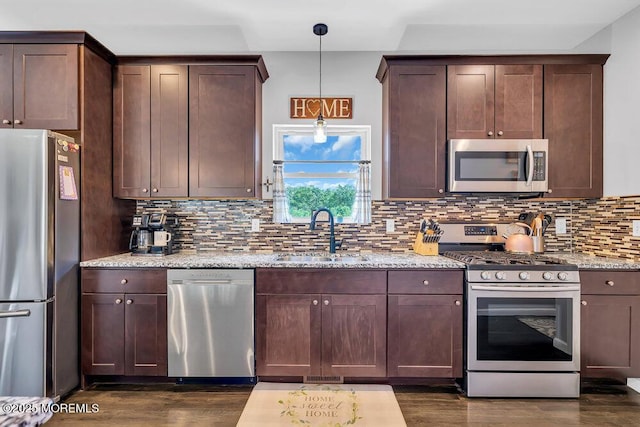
[(622, 108), (597, 227), (344, 74)]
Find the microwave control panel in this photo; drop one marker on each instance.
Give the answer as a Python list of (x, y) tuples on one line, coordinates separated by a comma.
[(539, 166)]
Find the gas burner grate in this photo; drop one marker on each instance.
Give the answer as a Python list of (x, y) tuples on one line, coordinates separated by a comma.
[(502, 258)]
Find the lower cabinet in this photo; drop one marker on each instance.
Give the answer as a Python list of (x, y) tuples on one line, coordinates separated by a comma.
[(124, 322), (425, 324), (610, 324), (315, 322)]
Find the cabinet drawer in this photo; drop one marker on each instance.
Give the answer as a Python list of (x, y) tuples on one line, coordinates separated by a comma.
[(426, 282), (610, 282), (305, 281), (147, 281)]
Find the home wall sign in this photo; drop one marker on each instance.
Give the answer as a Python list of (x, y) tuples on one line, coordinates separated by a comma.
[(332, 108)]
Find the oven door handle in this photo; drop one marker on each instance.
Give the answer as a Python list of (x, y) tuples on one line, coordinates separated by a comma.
[(526, 288), (530, 161)]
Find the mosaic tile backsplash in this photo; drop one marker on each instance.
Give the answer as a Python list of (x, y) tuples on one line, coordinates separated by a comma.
[(598, 226)]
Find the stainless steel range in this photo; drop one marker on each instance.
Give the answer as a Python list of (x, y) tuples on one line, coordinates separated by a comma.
[(523, 319)]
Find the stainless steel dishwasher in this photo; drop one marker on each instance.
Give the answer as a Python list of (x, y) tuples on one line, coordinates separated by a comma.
[(210, 323)]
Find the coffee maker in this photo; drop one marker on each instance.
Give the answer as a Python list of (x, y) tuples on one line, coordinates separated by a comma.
[(152, 234)]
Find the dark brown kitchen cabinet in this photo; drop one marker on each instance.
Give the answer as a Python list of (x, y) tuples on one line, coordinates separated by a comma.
[(610, 324), (425, 324), (41, 91), (414, 133), (494, 101), (573, 125), (150, 131), (321, 322), (224, 128), (124, 322)]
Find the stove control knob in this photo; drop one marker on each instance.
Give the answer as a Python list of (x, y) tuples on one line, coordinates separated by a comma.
[(500, 275), (547, 276), (523, 275), (485, 275), (563, 276)]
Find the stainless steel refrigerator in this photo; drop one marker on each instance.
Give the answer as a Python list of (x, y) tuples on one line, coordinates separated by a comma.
[(39, 256)]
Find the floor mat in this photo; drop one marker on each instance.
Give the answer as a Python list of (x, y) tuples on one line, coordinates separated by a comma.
[(321, 405)]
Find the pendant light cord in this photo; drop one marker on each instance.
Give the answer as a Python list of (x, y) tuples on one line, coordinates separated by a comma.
[(320, 91)]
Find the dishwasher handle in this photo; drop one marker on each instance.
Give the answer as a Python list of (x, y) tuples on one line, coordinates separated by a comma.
[(202, 282)]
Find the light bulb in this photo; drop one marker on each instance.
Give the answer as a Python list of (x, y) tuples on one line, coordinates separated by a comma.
[(320, 130)]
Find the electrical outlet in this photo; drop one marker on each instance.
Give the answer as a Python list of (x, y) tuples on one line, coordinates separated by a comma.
[(636, 228), (561, 225), (255, 224), (391, 225)]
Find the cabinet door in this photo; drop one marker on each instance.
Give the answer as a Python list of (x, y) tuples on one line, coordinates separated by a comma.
[(222, 131), (145, 350), (470, 101), (169, 131), (518, 101), (45, 81), (573, 125), (102, 334), (354, 331), (425, 336), (288, 335), (610, 336), (6, 86), (415, 144), (132, 131)]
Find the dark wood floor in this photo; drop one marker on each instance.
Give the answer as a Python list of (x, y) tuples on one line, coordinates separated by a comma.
[(600, 404)]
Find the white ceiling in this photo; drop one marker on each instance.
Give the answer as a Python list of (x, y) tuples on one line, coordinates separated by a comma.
[(240, 26)]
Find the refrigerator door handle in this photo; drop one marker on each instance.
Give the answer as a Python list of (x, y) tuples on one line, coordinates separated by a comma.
[(15, 313)]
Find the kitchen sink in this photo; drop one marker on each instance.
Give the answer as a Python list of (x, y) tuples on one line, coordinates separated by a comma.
[(321, 258)]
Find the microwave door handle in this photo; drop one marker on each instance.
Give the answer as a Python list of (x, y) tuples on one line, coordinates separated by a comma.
[(530, 163)]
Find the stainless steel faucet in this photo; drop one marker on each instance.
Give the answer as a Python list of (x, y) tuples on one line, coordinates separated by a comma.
[(332, 238)]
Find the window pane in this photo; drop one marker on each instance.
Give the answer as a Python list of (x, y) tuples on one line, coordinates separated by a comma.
[(321, 167), (302, 147), (306, 195)]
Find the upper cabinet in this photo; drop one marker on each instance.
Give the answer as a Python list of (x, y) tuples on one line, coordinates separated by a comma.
[(151, 135), (491, 97), (494, 101), (573, 126), (188, 129), (42, 89), (414, 137)]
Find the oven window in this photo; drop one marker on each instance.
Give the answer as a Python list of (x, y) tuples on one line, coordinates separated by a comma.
[(490, 166), (524, 329)]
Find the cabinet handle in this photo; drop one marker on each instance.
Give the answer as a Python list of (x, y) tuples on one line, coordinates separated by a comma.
[(440, 190), (490, 133), (6, 122), (124, 281), (315, 302), (583, 303), (129, 301), (155, 190), (18, 122), (609, 283), (457, 302), (145, 190), (249, 190), (425, 282), (500, 133), (118, 301), (326, 302)]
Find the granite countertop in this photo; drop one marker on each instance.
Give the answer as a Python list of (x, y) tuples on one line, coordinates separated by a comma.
[(387, 260), (384, 260)]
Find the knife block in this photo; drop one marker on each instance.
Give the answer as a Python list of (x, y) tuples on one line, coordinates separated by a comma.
[(422, 248)]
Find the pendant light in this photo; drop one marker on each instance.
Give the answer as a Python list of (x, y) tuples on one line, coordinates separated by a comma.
[(320, 126)]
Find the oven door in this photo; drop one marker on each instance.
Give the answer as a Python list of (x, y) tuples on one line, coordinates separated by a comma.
[(528, 328)]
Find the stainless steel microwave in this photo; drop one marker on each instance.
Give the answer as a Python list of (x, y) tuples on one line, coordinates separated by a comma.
[(498, 165)]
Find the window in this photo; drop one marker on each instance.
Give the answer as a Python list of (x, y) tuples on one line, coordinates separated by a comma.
[(334, 174)]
